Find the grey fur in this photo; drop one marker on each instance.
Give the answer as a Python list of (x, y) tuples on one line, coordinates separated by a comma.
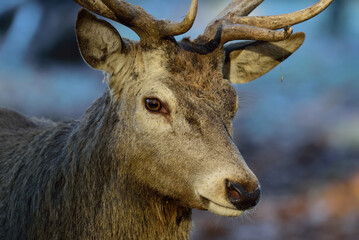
[(121, 172)]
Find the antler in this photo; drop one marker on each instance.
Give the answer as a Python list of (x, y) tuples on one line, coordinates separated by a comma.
[(233, 24), (136, 18)]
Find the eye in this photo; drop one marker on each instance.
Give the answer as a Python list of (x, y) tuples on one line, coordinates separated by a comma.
[(153, 104)]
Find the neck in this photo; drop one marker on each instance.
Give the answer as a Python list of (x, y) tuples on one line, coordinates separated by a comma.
[(109, 203), (130, 211)]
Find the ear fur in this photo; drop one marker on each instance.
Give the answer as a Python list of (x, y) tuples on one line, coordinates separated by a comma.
[(249, 61), (97, 39)]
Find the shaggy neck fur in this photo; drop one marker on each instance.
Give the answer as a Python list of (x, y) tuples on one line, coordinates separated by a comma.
[(76, 186)]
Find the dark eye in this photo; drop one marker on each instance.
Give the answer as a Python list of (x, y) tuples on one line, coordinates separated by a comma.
[(153, 104)]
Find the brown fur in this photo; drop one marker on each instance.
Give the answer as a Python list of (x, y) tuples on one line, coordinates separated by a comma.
[(123, 172), (72, 180)]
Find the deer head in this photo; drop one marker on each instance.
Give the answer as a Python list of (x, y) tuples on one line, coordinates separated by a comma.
[(175, 100)]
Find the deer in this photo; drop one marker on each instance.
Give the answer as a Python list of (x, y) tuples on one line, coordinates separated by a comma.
[(158, 142)]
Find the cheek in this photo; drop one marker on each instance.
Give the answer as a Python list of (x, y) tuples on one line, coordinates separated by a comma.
[(151, 123)]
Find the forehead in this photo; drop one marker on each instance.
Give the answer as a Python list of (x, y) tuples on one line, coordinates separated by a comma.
[(200, 77), (195, 77), (199, 71)]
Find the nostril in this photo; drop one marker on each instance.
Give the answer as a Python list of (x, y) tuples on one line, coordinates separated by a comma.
[(240, 198), (235, 192)]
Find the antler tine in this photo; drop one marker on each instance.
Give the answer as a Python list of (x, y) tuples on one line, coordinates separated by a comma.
[(237, 8), (174, 29), (136, 18), (284, 20), (234, 24)]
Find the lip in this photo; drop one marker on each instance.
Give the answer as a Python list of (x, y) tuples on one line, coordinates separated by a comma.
[(220, 209)]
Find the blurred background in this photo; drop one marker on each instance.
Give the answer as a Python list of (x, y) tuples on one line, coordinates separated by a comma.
[(297, 127)]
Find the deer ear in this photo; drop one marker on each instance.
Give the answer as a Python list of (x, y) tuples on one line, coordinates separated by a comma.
[(247, 62), (97, 39)]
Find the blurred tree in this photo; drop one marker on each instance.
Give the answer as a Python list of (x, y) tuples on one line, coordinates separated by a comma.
[(21, 31), (337, 17), (30, 30)]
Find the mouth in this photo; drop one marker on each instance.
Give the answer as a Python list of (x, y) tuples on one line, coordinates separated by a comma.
[(220, 209)]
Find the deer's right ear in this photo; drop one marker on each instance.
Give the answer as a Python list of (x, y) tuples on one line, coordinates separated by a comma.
[(97, 39)]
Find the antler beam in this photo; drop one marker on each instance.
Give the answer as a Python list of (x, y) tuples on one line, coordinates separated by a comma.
[(239, 31), (136, 18)]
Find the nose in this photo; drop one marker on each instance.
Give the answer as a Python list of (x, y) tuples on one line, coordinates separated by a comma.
[(242, 196)]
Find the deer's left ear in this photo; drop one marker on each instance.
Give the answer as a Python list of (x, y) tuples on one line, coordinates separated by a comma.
[(247, 62)]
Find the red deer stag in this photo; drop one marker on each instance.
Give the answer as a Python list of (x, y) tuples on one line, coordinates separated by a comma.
[(157, 143)]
